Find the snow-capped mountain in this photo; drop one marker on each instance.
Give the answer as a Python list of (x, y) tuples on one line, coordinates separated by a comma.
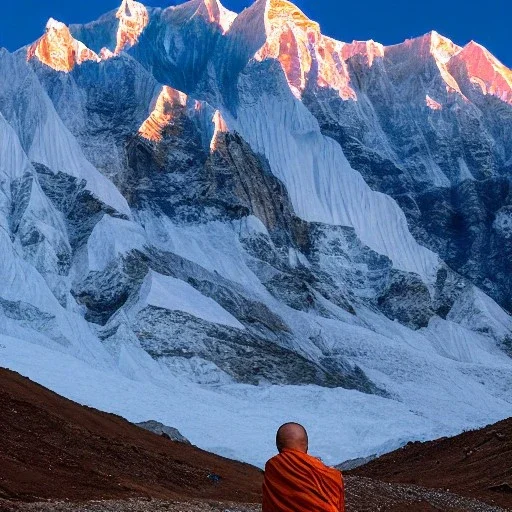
[(223, 221)]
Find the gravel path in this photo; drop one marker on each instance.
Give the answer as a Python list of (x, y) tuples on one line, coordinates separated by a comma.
[(363, 495), (132, 506), (366, 495)]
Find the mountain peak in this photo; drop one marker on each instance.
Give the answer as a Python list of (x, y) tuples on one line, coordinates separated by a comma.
[(430, 49), (442, 47), (433, 43), (167, 105), (282, 11), (477, 51), (133, 18), (369, 49), (58, 49), (217, 13), (300, 47), (53, 24), (211, 11), (484, 70)]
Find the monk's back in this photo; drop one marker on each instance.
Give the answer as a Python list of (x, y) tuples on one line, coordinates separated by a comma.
[(297, 482)]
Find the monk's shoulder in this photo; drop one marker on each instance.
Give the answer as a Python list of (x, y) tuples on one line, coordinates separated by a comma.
[(272, 462), (335, 473), (321, 466)]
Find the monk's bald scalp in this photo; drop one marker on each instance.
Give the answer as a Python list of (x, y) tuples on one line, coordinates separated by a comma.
[(292, 436)]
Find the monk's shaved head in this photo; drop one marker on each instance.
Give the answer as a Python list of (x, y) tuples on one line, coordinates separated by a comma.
[(292, 436)]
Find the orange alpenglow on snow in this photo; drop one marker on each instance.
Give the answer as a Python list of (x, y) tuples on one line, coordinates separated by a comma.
[(169, 101), (298, 482), (133, 18), (220, 127), (484, 70), (432, 104), (59, 50), (297, 42)]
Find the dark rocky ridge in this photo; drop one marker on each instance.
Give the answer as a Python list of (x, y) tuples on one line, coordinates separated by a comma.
[(171, 433)]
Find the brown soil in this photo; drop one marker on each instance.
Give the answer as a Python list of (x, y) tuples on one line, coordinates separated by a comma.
[(476, 464), (52, 448)]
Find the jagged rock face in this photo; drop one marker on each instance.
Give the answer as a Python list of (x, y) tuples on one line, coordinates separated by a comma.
[(102, 118), (244, 357), (252, 184), (171, 433), (463, 224), (239, 199), (166, 110), (81, 209), (231, 182)]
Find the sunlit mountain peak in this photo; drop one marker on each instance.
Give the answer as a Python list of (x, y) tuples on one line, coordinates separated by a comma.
[(167, 107), (58, 49), (133, 18)]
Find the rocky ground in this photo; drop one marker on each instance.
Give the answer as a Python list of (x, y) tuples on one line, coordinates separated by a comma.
[(363, 495), (367, 495), (133, 506)]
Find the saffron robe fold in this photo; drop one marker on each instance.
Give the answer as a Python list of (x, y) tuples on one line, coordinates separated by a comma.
[(297, 482)]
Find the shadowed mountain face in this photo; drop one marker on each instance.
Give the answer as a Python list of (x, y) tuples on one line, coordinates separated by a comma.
[(436, 138), (223, 199)]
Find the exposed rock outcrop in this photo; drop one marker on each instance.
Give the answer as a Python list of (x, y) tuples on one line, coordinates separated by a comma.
[(171, 433)]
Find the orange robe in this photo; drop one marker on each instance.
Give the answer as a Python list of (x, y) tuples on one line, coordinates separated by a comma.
[(297, 482)]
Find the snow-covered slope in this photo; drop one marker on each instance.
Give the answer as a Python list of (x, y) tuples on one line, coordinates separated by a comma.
[(224, 221)]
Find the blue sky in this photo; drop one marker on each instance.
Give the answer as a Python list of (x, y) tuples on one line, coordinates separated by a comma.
[(386, 21)]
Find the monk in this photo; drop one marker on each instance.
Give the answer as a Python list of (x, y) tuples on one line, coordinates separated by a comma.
[(297, 482)]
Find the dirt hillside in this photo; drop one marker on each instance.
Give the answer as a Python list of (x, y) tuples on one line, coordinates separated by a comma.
[(54, 448), (476, 464)]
